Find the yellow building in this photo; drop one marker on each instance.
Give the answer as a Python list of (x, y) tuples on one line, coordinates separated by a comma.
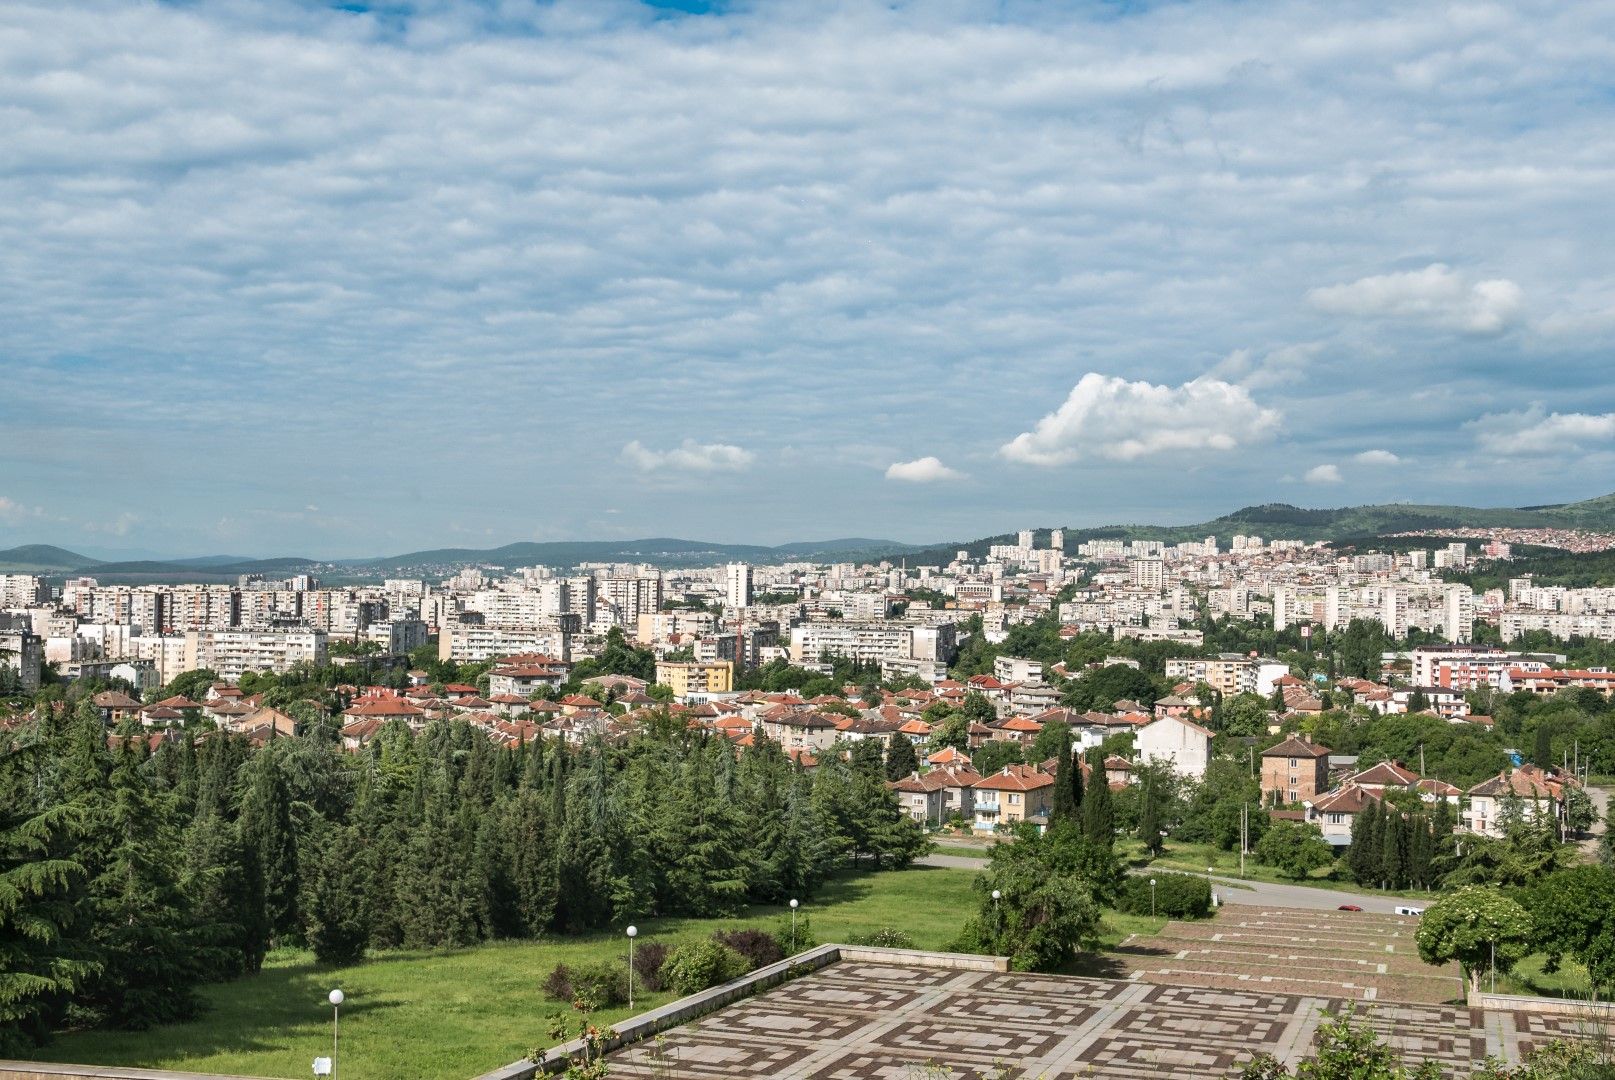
[(696, 677)]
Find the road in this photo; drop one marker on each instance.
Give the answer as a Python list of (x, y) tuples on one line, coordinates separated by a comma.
[(1240, 893), (1600, 798)]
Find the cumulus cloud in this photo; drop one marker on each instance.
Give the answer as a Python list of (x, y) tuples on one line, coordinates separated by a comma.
[(1110, 418), (1436, 294), (925, 470), (1535, 432), (1377, 457), (689, 456), (1323, 474)]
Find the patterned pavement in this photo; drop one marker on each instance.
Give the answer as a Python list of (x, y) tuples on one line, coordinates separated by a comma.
[(864, 1021), (870, 1021)]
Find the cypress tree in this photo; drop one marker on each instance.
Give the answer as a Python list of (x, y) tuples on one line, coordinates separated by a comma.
[(1064, 806), (270, 842), (1149, 817), (336, 902), (1098, 813), (1393, 848), (901, 760), (533, 866)]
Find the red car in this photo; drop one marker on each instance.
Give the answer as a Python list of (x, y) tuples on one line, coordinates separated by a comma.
[(1350, 907)]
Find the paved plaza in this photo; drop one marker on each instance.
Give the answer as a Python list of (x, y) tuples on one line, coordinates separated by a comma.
[(857, 1020)]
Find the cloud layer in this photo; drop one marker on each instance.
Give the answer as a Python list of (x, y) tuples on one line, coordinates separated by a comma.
[(1110, 418), (478, 248), (1535, 432)]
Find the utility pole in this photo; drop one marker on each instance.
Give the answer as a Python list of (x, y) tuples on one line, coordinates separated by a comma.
[(1421, 759), (1244, 834)]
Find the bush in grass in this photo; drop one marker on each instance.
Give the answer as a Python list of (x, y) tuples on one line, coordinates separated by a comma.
[(558, 983), (648, 960), (701, 964), (598, 986), (1177, 896), (804, 936), (887, 937), (757, 946)]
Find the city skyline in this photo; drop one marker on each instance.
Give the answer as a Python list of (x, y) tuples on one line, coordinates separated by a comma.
[(464, 276)]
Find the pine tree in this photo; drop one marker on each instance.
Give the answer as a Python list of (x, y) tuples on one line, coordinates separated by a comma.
[(533, 871), (1149, 817), (41, 958), (152, 956), (1393, 848), (270, 841), (901, 760), (338, 925), (1364, 857), (216, 881)]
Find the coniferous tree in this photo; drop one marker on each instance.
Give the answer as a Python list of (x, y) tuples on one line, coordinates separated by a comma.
[(1393, 851), (1098, 812), (335, 903), (151, 954), (901, 760), (1149, 817), (41, 956), (269, 840), (217, 882), (533, 866), (1365, 855)]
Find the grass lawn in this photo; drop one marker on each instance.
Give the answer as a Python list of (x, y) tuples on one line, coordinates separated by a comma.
[(1528, 977), (1194, 858), (450, 1015)]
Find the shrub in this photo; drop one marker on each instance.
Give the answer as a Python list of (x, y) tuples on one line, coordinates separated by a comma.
[(804, 936), (597, 986), (1177, 896), (701, 964), (887, 937), (757, 946), (558, 983), (648, 961)]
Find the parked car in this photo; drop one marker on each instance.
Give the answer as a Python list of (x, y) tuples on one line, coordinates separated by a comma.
[(1350, 907), (1410, 911)]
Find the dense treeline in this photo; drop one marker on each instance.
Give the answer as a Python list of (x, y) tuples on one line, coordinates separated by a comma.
[(128, 877)]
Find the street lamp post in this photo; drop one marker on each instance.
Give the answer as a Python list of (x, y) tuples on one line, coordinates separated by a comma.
[(1152, 898), (633, 932), (794, 904), (998, 919), (335, 997)]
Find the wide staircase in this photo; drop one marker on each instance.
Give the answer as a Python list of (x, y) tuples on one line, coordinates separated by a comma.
[(1339, 955)]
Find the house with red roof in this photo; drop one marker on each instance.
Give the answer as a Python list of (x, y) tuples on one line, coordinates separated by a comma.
[(1014, 794)]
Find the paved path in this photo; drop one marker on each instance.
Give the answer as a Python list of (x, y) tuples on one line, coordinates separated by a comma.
[(1235, 891), (1600, 798)]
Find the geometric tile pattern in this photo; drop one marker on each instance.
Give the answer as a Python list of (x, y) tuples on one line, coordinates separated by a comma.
[(868, 1021)]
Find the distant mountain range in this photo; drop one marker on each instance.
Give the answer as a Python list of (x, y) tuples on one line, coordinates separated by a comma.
[(1273, 521)]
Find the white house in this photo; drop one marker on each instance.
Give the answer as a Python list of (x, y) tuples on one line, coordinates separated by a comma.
[(1182, 742)]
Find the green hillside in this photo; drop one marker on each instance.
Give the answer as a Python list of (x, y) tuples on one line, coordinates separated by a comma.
[(42, 559)]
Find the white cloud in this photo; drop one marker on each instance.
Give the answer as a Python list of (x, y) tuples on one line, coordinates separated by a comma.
[(118, 526), (1111, 418), (1436, 294), (688, 455), (1323, 474), (1282, 366), (13, 512), (925, 470), (1534, 432), (1377, 457)]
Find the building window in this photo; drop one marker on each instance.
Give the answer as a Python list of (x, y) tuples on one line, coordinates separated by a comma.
[(1014, 800), (1292, 763)]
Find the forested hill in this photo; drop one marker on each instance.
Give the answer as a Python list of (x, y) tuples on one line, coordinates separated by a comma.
[(1282, 521)]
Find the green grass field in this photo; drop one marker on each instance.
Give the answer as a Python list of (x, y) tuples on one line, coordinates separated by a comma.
[(450, 1015), (453, 1014), (1194, 858)]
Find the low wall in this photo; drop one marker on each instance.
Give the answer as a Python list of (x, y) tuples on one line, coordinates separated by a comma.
[(685, 1009), (1602, 1011)]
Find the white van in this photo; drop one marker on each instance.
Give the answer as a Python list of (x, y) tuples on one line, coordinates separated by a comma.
[(1410, 911)]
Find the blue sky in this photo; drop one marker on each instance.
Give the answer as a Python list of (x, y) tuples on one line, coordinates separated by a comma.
[(286, 278)]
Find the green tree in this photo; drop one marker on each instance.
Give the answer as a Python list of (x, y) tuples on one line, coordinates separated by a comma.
[(1044, 913), (901, 760), (1098, 811), (41, 958), (269, 840), (1474, 926), (1294, 848), (335, 905), (1573, 914)]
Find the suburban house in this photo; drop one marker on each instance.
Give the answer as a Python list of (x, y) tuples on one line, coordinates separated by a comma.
[(1335, 813), (1177, 740), (1297, 770), (1527, 787), (938, 795), (1015, 794)]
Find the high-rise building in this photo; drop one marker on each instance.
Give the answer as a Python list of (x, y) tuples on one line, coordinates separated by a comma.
[(1057, 539), (1025, 539), (737, 585)]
